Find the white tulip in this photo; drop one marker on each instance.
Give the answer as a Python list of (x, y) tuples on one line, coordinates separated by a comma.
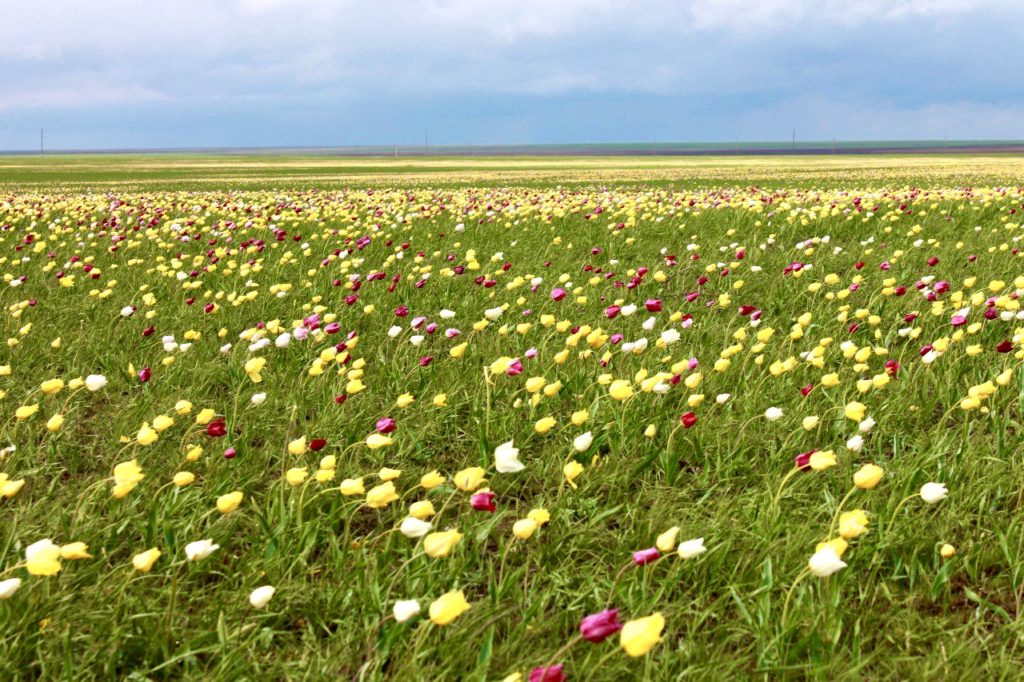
[(95, 382), (506, 459), (933, 492), (414, 528), (283, 340), (773, 414), (261, 596), (445, 315), (200, 549), (866, 425), (722, 398), (258, 398), (405, 609), (9, 587), (582, 442), (855, 443), (691, 548), (825, 562)]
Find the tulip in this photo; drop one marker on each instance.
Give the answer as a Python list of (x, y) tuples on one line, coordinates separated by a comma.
[(582, 442), (297, 446), (572, 471), (261, 596), (75, 550), (423, 509), (597, 627), (819, 461), (639, 636), (933, 492), (853, 524), (405, 609), (947, 551), (378, 440), (9, 488), (855, 411), (469, 479), (691, 548), (95, 382), (483, 501), (379, 496), (524, 528), (552, 673), (868, 476), (666, 542), (646, 556), (506, 459), (773, 414), (42, 558), (437, 545), (9, 587), (144, 561), (825, 562), (448, 607), (200, 549), (413, 527), (229, 502), (353, 486), (431, 480)]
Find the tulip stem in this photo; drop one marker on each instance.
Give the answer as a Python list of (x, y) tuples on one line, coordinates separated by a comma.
[(558, 654), (789, 595), (778, 495), (615, 582), (892, 519)]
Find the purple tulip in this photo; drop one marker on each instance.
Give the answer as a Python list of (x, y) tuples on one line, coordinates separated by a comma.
[(597, 627)]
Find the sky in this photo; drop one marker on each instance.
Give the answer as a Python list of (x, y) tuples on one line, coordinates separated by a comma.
[(115, 74)]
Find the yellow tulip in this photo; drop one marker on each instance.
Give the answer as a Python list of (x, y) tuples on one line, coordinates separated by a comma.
[(229, 502), (868, 476), (641, 635), (381, 496), (469, 479), (448, 607), (144, 561), (437, 545)]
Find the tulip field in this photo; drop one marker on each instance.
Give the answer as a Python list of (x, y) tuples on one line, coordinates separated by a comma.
[(567, 419)]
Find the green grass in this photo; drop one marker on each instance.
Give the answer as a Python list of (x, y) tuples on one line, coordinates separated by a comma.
[(897, 611)]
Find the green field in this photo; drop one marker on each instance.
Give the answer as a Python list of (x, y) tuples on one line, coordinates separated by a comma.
[(660, 338)]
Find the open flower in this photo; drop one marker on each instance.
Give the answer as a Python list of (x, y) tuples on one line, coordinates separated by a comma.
[(506, 459)]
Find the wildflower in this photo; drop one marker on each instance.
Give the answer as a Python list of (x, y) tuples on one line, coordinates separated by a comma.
[(126, 476), (825, 562), (524, 528), (205, 417), (691, 548), (469, 479), (54, 423), (572, 470), (51, 386), (405, 609), (75, 550), (437, 545), (506, 459), (639, 636), (431, 480), (261, 596), (810, 423), (144, 561), (620, 389), (229, 502), (666, 542), (933, 492), (552, 673), (147, 435), (599, 626), (26, 411), (375, 441), (483, 501), (8, 487), (544, 425), (947, 551), (853, 524), (868, 476), (404, 400), (773, 414), (821, 460), (646, 556), (258, 398), (389, 474), (296, 475), (200, 549), (353, 486), (297, 446), (379, 496), (582, 442), (541, 516), (162, 423), (855, 411), (253, 369), (95, 382), (9, 587), (423, 509), (42, 558), (448, 607)]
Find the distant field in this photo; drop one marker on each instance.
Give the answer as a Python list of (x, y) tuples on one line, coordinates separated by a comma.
[(246, 171)]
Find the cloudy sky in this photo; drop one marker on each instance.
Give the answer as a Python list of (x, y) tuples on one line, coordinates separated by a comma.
[(198, 73)]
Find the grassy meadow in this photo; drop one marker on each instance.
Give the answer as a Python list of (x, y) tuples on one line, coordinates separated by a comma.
[(271, 417)]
